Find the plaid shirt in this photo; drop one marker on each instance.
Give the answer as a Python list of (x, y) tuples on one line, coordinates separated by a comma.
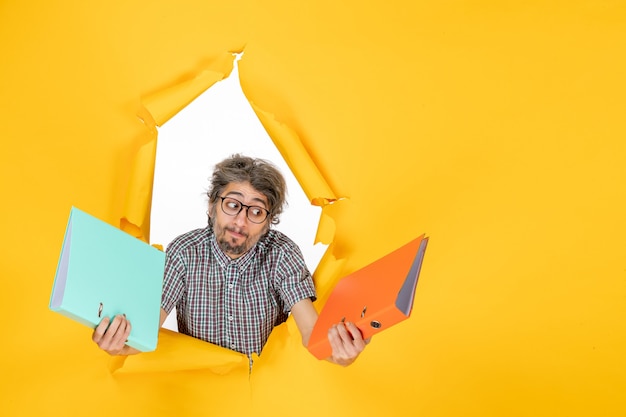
[(233, 303)]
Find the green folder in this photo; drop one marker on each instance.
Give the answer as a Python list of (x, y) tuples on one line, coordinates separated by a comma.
[(104, 271)]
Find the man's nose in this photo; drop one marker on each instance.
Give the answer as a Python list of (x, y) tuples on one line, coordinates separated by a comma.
[(242, 216)]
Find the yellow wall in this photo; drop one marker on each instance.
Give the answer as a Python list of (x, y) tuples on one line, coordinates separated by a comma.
[(497, 129)]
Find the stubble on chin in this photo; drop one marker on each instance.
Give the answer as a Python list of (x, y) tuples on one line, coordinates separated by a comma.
[(229, 245), (229, 248)]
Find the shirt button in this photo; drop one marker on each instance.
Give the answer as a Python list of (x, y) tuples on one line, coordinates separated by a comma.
[(230, 318), (232, 346), (230, 286)]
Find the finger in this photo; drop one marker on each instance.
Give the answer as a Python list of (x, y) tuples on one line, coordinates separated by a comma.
[(343, 333), (98, 333), (121, 335), (341, 354), (335, 340), (117, 331), (355, 332), (357, 338), (108, 340)]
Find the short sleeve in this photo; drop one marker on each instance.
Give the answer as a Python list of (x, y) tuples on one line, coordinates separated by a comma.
[(295, 282), (173, 281)]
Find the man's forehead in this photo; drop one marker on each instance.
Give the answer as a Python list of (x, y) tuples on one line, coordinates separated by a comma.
[(245, 192)]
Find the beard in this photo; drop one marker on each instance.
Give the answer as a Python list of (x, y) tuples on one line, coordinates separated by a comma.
[(229, 246)]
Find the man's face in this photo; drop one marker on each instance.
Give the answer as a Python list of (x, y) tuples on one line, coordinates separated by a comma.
[(237, 234)]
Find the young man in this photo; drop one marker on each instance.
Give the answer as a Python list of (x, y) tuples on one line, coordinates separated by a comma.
[(236, 279)]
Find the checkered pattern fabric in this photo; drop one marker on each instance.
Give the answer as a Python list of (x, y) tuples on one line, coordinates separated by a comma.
[(233, 303)]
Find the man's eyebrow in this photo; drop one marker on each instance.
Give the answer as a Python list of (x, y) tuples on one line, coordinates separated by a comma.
[(238, 194)]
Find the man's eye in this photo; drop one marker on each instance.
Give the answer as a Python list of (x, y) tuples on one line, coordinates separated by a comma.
[(232, 204), (256, 211)]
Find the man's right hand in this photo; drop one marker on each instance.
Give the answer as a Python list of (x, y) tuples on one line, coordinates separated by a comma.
[(111, 336)]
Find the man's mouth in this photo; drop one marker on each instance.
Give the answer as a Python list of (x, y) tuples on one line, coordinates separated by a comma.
[(236, 232)]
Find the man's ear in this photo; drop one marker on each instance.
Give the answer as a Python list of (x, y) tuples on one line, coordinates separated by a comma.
[(268, 225), (210, 213)]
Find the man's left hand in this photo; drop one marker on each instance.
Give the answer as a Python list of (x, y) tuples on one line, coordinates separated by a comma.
[(347, 343)]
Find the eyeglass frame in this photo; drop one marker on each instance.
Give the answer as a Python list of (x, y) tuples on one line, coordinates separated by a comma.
[(267, 212)]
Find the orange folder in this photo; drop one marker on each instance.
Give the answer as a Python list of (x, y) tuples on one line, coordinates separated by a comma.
[(374, 297)]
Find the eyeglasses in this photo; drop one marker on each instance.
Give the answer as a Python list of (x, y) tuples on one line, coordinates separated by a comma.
[(233, 207)]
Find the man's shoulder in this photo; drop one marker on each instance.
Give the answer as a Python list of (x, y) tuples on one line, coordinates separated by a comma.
[(192, 238), (277, 240)]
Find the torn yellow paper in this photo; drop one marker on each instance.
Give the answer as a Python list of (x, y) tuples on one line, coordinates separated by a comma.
[(291, 148), (165, 103), (178, 352)]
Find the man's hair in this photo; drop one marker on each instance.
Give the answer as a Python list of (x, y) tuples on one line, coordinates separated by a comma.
[(261, 174)]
